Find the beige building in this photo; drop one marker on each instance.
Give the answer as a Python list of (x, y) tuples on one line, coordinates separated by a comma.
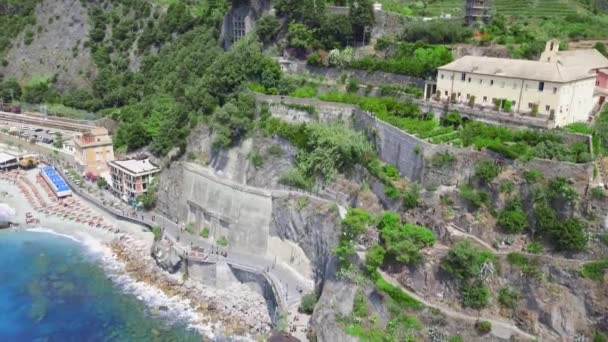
[(93, 150), (132, 177), (560, 85)]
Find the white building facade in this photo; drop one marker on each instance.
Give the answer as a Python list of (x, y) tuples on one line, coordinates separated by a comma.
[(558, 86)]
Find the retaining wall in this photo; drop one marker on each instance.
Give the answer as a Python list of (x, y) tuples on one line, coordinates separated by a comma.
[(377, 78), (293, 109)]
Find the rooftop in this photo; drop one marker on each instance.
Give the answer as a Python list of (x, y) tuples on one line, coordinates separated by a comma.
[(520, 68), (136, 166), (588, 58), (5, 157)]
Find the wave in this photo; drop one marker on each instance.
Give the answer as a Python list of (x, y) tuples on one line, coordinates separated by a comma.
[(174, 308)]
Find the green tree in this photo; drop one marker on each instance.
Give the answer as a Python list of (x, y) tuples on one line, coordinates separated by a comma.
[(465, 261), (233, 120), (361, 13), (299, 36), (10, 89), (336, 32), (404, 242), (267, 28)]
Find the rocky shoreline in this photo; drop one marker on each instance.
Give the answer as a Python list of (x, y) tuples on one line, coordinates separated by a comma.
[(234, 311)]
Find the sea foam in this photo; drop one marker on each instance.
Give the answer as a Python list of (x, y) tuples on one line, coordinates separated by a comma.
[(177, 309)]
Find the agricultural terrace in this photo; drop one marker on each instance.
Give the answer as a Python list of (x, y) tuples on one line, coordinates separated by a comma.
[(513, 144)]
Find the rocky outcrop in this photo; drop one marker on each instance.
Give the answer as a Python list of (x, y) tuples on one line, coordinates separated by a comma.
[(335, 301), (234, 309), (312, 224), (58, 47), (167, 258)]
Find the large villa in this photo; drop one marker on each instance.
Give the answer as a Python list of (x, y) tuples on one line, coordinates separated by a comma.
[(560, 85)]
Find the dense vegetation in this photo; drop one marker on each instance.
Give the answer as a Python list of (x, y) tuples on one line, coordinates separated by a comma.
[(471, 267), (405, 241)]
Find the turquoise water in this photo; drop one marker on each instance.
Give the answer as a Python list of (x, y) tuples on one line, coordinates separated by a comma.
[(52, 289)]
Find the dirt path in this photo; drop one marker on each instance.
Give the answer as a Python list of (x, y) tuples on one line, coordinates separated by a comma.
[(500, 328), (455, 231)]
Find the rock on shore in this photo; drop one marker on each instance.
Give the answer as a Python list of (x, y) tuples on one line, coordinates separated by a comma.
[(237, 310)]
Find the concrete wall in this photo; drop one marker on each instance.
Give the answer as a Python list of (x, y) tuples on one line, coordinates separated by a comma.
[(190, 194), (394, 145)]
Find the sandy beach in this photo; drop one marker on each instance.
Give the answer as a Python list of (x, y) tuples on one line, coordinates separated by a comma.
[(124, 250)]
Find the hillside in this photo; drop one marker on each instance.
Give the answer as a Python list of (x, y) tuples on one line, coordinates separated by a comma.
[(410, 223)]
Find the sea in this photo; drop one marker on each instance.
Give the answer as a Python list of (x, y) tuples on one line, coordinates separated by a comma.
[(55, 288)]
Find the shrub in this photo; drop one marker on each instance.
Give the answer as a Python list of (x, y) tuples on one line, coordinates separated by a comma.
[(307, 305), (451, 119), (442, 159), (294, 177), (483, 327), (205, 232), (464, 261), (222, 241), (352, 86), (101, 183), (158, 232), (534, 247), (513, 218), (267, 28), (475, 296), (529, 267), (314, 58), (411, 197), (598, 192), (404, 242), (508, 297), (360, 304), (506, 186), (533, 176), (487, 170), (256, 159), (507, 105), (374, 258), (402, 299), (476, 198), (595, 270)]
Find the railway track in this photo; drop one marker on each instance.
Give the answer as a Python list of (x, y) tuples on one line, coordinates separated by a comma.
[(24, 119)]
